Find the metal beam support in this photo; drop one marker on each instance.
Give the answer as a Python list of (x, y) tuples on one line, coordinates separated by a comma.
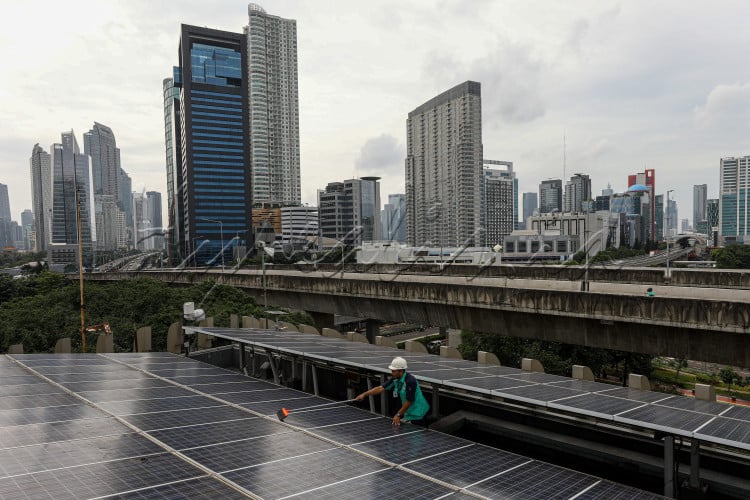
[(274, 368), (669, 466), (435, 401), (383, 401), (304, 375), (315, 379), (371, 398), (695, 464)]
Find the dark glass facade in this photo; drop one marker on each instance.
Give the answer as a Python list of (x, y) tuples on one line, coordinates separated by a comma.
[(213, 126)]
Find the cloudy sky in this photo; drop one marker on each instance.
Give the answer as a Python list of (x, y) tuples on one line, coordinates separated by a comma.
[(629, 84)]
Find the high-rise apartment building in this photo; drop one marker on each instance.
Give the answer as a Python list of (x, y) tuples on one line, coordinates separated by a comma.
[(349, 211), (71, 191), (444, 169), (550, 196), (100, 145), (4, 203), (659, 223), (211, 117), (577, 190), (41, 196), (125, 204), (700, 196), (499, 201), (393, 218), (530, 206), (274, 107), (734, 199)]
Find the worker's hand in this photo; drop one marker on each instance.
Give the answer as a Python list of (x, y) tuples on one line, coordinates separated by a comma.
[(360, 397), (396, 420)]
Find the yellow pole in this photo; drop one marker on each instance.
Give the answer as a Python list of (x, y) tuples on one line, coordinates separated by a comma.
[(80, 271)]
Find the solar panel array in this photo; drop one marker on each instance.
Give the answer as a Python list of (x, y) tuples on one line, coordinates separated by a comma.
[(713, 422), (164, 426)]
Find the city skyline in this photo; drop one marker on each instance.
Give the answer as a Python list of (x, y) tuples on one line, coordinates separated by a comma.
[(626, 86)]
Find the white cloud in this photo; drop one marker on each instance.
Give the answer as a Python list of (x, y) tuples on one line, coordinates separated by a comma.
[(725, 105)]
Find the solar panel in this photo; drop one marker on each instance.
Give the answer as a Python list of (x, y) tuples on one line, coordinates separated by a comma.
[(363, 430), (326, 416), (738, 412), (406, 448), (32, 434), (204, 488), (596, 405), (261, 395), (306, 473), (36, 401), (486, 384), (467, 466), (193, 436), (179, 418), (583, 385), (112, 385), (635, 394), (671, 420), (48, 414), (726, 431), (255, 451), (120, 408), (136, 393), (237, 386), (692, 404), (607, 490), (388, 483), (534, 480)]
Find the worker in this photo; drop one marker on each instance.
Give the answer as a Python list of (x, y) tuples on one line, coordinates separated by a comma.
[(650, 293), (414, 406)]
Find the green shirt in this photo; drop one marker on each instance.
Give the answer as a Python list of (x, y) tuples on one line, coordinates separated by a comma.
[(408, 389)]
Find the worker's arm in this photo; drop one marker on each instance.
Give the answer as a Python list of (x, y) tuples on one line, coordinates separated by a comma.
[(372, 392), (401, 412)]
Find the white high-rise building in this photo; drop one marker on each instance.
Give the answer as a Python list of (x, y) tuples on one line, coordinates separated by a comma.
[(444, 169), (299, 227), (41, 196), (499, 201), (274, 108), (734, 206)]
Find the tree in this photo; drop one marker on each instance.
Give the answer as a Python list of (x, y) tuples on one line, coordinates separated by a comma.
[(732, 257), (728, 375), (679, 364)]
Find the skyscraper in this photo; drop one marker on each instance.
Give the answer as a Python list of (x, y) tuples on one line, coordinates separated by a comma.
[(444, 169), (172, 141), (71, 189), (659, 223), (125, 204), (41, 196), (734, 191), (530, 205), (700, 196), (154, 215), (394, 218), (274, 107), (550, 196), (212, 117), (577, 190), (349, 211), (499, 201), (4, 202), (99, 143)]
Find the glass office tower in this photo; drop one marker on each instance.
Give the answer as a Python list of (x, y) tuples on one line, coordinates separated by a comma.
[(215, 210)]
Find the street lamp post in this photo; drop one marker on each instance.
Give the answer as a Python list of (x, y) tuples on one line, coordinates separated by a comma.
[(668, 233), (221, 233)]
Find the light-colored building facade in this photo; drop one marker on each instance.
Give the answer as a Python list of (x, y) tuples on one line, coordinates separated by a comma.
[(4, 203), (444, 169), (274, 107), (299, 227), (734, 202), (499, 201), (594, 231), (41, 196)]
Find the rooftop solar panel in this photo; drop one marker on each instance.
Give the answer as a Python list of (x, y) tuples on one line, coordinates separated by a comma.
[(363, 430), (28, 390), (194, 436), (665, 419), (596, 405), (692, 404), (204, 488), (32, 434), (112, 385), (136, 393), (133, 407), (412, 446), (726, 431), (179, 418), (738, 412), (47, 414), (326, 416), (36, 401)]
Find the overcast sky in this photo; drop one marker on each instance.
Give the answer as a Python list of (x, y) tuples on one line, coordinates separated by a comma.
[(630, 84)]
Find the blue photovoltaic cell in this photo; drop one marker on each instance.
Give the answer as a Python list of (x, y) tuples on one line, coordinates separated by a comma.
[(99, 479), (249, 452), (468, 465), (728, 429), (30, 459), (204, 488), (535, 480), (597, 404), (662, 417), (180, 418), (51, 414), (413, 446), (388, 483), (367, 430), (194, 436), (59, 431), (306, 473)]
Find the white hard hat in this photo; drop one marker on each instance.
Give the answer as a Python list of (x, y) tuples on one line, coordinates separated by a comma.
[(398, 363)]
